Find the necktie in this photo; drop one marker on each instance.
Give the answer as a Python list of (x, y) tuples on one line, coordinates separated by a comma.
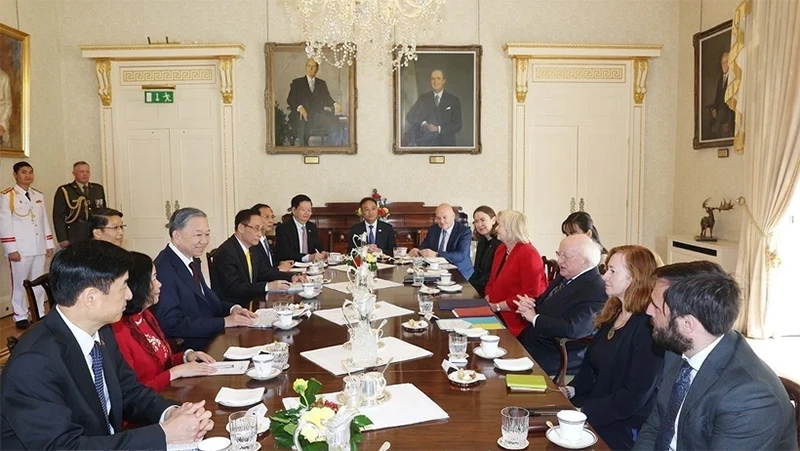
[(371, 237), (97, 369), (311, 84), (195, 272), (559, 287), (86, 191), (679, 390), (304, 242), (269, 253), (249, 265), (28, 195), (443, 242), (436, 99)]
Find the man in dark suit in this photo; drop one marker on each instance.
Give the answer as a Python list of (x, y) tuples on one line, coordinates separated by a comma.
[(380, 235), (73, 203), (567, 307), (264, 249), (239, 275), (310, 103), (721, 114), (298, 239), (435, 118), (448, 239), (66, 385), (715, 393), (188, 309)]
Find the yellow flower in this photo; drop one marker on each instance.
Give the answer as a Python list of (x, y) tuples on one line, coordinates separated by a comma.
[(370, 258), (300, 386), (316, 416)]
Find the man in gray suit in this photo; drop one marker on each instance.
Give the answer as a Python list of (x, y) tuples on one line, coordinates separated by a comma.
[(715, 393)]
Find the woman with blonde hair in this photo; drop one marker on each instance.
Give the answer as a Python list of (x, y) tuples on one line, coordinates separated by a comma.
[(517, 269), (616, 383)]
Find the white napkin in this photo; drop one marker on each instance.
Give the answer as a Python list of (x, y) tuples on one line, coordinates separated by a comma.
[(435, 259), (451, 288), (520, 364), (473, 332), (239, 396), (301, 264), (239, 353), (457, 361)]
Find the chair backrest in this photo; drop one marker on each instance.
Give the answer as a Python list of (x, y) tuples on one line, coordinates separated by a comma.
[(793, 390), (33, 306), (210, 259), (551, 269)]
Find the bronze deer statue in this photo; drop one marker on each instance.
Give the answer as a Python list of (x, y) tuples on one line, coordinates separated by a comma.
[(707, 223)]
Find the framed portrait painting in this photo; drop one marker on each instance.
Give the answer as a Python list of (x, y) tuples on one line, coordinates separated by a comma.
[(714, 121), (311, 106), (437, 101), (14, 92)]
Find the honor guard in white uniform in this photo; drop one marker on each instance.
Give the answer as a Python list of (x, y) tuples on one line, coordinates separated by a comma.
[(26, 238)]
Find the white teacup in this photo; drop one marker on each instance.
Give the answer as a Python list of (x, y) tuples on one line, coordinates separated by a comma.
[(335, 257), (489, 344), (433, 265), (400, 251), (285, 317), (263, 363), (372, 386), (570, 424), (446, 278), (308, 288)]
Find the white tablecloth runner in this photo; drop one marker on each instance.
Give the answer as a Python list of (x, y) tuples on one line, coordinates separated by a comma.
[(344, 267), (383, 310), (408, 405), (344, 287), (331, 358)]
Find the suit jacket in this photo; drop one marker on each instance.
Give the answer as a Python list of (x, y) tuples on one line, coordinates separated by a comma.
[(183, 310), (724, 113), (287, 243), (49, 400), (522, 273), (735, 402), (69, 195), (268, 259), (384, 236), (447, 116), (457, 252), (314, 102), (568, 313), (484, 257), (230, 278), (617, 380)]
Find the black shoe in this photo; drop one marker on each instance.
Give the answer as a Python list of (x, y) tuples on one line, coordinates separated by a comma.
[(24, 324)]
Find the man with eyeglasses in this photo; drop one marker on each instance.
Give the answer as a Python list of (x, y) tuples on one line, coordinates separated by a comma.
[(264, 248), (105, 224), (567, 307)]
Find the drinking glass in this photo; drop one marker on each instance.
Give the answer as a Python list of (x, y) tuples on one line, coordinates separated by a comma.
[(419, 277), (417, 262), (425, 304), (458, 344), (281, 353), (244, 428), (514, 426), (280, 306)]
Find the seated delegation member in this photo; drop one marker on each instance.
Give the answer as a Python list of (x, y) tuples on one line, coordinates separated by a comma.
[(263, 248), (298, 239), (380, 234), (66, 386), (105, 224), (485, 222), (448, 239), (140, 339)]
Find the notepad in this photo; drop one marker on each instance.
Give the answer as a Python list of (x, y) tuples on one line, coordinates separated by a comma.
[(473, 312), (453, 303), (526, 382)]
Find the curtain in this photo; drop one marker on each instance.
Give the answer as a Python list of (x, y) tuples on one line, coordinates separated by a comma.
[(769, 100)]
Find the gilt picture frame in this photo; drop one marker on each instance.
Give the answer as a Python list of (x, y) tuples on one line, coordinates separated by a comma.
[(714, 121), (14, 92)]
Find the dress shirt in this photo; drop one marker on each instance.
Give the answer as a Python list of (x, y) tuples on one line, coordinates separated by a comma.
[(267, 249), (188, 261), (695, 362), (533, 321), (246, 250), (301, 230), (446, 238)]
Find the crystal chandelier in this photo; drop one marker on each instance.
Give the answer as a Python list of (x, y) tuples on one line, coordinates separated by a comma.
[(382, 31)]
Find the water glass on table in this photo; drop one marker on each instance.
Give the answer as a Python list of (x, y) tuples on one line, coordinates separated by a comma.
[(458, 344), (425, 304), (419, 277), (514, 426), (244, 429)]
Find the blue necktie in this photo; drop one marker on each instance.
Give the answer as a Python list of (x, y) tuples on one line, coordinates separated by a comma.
[(679, 390), (371, 237), (97, 369), (442, 242), (269, 254)]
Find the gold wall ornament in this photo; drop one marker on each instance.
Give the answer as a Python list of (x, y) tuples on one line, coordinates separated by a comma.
[(522, 79), (103, 69), (135, 76), (226, 79), (640, 66), (568, 72)]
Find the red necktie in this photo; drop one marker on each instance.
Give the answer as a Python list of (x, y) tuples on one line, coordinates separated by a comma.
[(195, 271)]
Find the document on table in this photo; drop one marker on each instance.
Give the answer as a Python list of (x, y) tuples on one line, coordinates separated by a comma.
[(224, 368), (451, 324), (331, 358)]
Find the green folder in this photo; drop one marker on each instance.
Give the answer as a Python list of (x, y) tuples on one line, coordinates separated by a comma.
[(526, 382)]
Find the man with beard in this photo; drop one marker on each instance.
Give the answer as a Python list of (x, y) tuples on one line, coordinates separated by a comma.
[(715, 393)]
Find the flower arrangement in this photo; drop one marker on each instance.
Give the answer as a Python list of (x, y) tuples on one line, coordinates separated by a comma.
[(383, 212), (357, 259), (284, 423)]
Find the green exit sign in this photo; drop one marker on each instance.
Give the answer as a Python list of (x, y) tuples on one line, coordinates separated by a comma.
[(159, 96)]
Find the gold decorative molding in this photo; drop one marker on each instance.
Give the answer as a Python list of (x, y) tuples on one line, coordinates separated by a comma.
[(563, 72), (521, 78), (511, 45), (640, 66), (103, 69), (160, 46), (226, 79), (192, 74)]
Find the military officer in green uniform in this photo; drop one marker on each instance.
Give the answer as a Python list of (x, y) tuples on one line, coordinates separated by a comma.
[(73, 204)]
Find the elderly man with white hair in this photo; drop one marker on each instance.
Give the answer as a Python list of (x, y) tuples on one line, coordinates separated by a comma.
[(567, 307)]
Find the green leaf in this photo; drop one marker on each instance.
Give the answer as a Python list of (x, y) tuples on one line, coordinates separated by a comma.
[(290, 428), (313, 387), (361, 421), (284, 441)]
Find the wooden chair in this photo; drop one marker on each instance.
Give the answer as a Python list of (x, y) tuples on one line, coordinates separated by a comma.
[(551, 268), (561, 377), (793, 390), (210, 259), (44, 282)]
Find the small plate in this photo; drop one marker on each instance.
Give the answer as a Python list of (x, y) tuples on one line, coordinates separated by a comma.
[(214, 444), (301, 264), (527, 367), (479, 352), (273, 373), (303, 295), (263, 425), (428, 290), (502, 443), (455, 288), (445, 284), (421, 325), (454, 378), (292, 325), (587, 439)]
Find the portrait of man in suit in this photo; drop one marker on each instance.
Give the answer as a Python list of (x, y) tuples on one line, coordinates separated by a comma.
[(714, 120), (311, 107), (14, 79), (435, 118)]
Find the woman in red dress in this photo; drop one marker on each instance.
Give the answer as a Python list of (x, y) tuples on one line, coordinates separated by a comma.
[(517, 269), (141, 341)]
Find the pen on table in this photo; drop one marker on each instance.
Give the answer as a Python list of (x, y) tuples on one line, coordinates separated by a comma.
[(220, 366)]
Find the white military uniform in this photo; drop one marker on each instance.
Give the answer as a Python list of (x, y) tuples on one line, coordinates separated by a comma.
[(24, 228)]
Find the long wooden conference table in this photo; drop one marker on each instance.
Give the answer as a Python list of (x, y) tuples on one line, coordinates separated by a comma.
[(474, 412)]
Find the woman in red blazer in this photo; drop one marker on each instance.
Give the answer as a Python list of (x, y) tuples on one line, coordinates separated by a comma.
[(517, 269), (140, 339)]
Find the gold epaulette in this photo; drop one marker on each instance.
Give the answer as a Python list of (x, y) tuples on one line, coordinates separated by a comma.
[(7, 190)]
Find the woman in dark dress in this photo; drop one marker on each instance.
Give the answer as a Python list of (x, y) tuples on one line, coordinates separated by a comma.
[(616, 383), (485, 221)]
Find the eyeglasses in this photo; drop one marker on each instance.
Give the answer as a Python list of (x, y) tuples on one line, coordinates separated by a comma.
[(257, 229), (116, 228), (563, 256)]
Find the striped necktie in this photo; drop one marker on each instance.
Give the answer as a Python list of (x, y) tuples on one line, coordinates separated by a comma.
[(97, 369)]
